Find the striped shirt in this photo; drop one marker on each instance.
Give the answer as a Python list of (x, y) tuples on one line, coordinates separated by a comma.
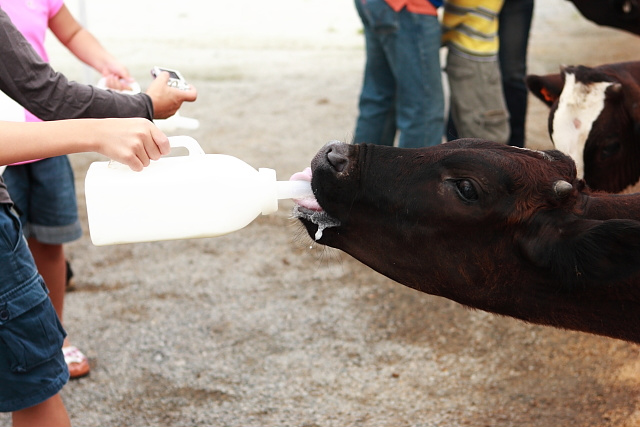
[(470, 28)]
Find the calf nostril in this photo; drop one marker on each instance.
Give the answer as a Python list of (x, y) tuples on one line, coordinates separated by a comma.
[(338, 160)]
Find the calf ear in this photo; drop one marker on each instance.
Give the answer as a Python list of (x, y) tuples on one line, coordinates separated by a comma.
[(546, 88), (587, 252)]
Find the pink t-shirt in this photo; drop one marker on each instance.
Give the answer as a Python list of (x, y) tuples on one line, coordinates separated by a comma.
[(31, 18)]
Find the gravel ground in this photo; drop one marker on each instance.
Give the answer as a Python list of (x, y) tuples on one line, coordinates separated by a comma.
[(262, 327)]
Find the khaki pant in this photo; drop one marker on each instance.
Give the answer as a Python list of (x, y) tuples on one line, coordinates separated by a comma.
[(478, 108)]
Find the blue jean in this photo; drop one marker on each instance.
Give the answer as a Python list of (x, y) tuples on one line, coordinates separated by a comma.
[(515, 24), (402, 84), (44, 192), (32, 367)]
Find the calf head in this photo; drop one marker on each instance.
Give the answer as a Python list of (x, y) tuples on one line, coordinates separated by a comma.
[(595, 119), (491, 226)]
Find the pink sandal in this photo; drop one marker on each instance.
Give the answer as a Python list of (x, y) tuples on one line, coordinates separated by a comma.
[(76, 361)]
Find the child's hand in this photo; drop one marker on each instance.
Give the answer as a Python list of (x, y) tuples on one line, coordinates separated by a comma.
[(134, 142), (116, 83), (167, 100), (116, 75)]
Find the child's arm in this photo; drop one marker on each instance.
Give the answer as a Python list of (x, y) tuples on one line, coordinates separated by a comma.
[(133, 142), (85, 46)]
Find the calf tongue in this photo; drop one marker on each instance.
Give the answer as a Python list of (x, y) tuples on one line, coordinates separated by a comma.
[(307, 202), (305, 175), (309, 209)]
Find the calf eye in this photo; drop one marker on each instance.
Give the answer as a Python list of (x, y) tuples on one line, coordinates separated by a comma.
[(466, 190), (610, 150)]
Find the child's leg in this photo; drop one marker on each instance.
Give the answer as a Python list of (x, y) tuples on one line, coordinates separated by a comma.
[(52, 267), (51, 412)]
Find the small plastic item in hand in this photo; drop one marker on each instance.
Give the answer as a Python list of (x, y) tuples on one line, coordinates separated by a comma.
[(175, 78)]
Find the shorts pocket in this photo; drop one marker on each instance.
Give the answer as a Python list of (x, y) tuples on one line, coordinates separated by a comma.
[(33, 338), (381, 17), (10, 228)]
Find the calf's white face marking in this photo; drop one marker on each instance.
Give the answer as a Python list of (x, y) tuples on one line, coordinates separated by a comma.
[(578, 107)]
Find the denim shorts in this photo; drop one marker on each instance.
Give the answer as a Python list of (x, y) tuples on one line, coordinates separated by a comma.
[(32, 367), (45, 195)]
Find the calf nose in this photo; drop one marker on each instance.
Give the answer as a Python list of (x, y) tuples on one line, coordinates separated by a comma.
[(333, 157), (337, 155)]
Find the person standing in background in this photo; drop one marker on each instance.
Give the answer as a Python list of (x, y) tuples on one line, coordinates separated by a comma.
[(478, 108), (515, 24), (402, 83)]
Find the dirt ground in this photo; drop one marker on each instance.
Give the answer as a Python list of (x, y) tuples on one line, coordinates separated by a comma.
[(262, 327)]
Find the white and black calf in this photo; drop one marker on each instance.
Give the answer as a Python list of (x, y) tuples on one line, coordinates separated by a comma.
[(595, 119)]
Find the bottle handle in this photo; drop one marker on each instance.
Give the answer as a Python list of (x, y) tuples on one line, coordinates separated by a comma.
[(174, 141), (187, 142)]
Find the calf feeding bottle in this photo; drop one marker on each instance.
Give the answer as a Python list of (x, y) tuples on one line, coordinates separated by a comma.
[(182, 197)]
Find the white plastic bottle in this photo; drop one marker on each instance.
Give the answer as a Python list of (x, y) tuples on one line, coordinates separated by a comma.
[(183, 197)]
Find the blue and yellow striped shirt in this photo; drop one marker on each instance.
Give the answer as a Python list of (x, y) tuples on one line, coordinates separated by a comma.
[(471, 27)]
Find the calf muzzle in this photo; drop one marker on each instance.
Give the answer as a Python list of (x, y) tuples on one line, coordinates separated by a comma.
[(334, 154)]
